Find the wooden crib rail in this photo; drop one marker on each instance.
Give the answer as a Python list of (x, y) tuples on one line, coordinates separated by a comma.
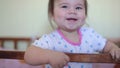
[(84, 58), (4, 54)]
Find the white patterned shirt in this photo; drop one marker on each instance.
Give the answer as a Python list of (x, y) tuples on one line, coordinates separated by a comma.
[(91, 43)]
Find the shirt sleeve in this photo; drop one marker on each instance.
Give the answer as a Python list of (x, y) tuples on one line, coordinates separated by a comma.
[(98, 41), (43, 42)]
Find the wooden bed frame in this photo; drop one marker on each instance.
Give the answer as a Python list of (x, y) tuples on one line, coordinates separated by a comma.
[(15, 40), (84, 58)]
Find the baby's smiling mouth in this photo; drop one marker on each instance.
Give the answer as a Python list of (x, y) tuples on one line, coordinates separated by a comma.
[(72, 19)]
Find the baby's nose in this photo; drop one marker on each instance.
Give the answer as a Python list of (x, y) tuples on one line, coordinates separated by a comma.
[(72, 11)]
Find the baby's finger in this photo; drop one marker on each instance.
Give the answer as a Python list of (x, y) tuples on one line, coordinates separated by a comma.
[(117, 56), (63, 64), (55, 67), (112, 54), (67, 59)]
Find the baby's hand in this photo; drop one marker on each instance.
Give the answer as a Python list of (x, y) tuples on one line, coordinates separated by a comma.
[(58, 59), (115, 53)]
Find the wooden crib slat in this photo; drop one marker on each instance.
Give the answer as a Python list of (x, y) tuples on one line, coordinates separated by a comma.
[(1, 43), (15, 40), (84, 58), (11, 54)]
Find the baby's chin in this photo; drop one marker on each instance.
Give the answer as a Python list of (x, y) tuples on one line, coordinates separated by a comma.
[(71, 29)]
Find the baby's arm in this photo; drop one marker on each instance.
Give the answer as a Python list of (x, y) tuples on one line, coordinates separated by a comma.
[(112, 48), (115, 40), (37, 56)]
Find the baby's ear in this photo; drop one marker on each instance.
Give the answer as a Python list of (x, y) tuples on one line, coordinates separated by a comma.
[(52, 17)]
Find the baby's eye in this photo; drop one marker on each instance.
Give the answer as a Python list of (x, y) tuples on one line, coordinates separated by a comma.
[(78, 8), (64, 6)]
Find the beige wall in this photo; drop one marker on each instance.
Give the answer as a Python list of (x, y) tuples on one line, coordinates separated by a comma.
[(23, 17), (104, 16), (29, 17)]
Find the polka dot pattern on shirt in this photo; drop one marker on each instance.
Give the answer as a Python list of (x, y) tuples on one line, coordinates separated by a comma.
[(91, 42)]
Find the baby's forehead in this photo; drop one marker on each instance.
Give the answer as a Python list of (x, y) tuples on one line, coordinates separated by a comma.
[(70, 1)]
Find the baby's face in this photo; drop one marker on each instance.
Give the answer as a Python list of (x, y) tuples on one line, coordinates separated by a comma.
[(69, 14)]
